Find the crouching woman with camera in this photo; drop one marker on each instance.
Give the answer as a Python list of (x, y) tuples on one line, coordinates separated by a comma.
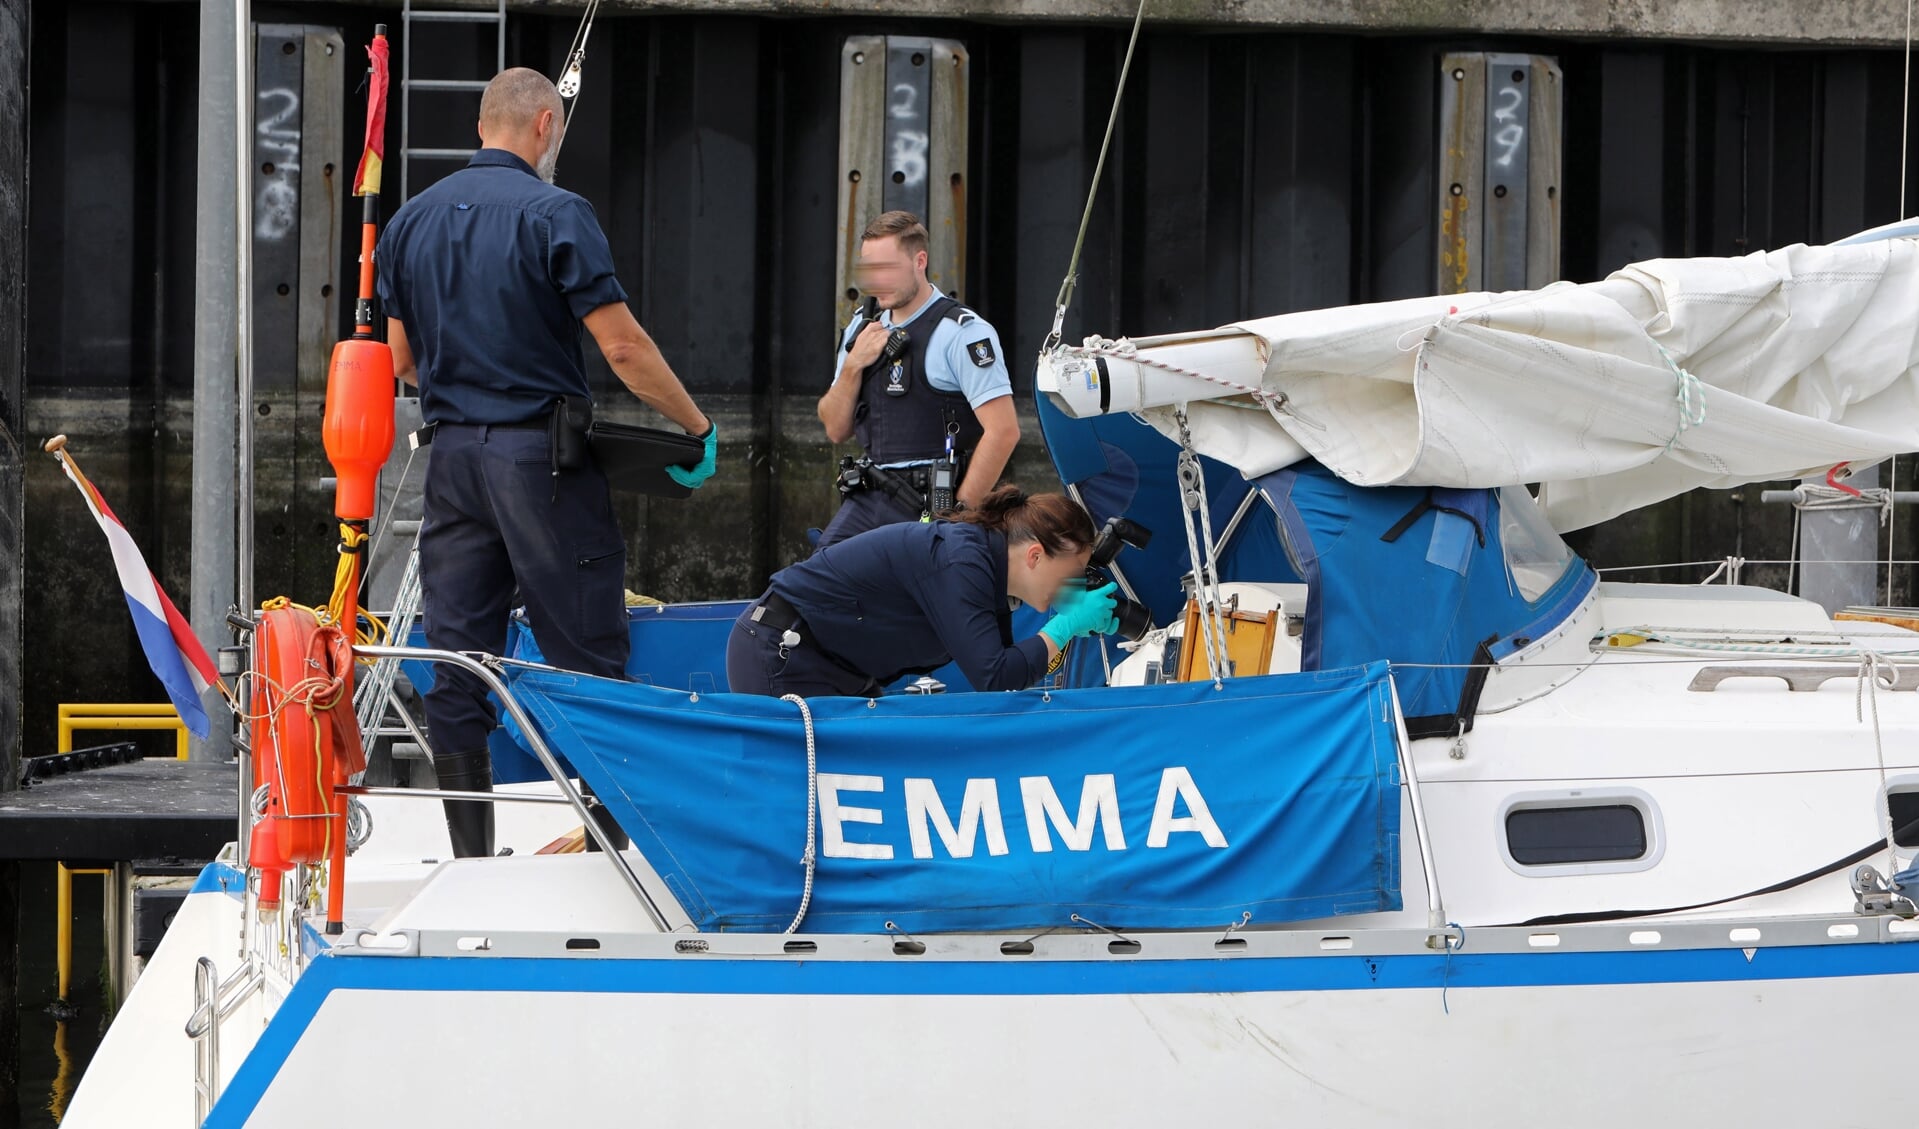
[(908, 598)]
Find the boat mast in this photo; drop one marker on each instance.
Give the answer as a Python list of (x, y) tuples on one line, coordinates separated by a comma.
[(243, 356)]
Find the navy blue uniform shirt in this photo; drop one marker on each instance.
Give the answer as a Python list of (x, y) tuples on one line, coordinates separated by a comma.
[(911, 597), (491, 271)]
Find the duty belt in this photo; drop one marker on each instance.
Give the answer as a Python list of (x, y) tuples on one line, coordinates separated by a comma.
[(424, 436), (776, 613)]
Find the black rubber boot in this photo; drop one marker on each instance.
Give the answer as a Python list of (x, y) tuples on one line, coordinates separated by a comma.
[(469, 823), (603, 819)]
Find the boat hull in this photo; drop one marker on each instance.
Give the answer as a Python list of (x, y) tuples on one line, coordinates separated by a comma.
[(1714, 1036)]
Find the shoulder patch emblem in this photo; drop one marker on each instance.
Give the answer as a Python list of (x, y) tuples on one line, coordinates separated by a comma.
[(982, 352)]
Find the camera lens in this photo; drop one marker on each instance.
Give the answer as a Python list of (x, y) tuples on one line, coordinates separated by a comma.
[(1134, 620), (1105, 548)]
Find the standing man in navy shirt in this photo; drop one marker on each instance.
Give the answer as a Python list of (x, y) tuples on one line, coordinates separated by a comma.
[(921, 371), (487, 278)]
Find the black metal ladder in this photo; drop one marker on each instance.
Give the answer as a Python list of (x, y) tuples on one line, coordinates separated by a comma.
[(412, 16)]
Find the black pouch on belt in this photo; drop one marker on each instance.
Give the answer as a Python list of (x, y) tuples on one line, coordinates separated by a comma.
[(569, 427)]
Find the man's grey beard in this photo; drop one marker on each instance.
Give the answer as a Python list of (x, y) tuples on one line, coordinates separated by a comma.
[(549, 160)]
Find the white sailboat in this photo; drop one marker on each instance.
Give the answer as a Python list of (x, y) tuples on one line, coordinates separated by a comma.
[(1442, 827)]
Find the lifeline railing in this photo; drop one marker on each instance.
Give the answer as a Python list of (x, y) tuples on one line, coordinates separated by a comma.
[(1443, 934), (487, 673), (215, 999), (486, 670)]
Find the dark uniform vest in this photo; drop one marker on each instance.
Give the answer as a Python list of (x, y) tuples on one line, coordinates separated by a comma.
[(900, 417)]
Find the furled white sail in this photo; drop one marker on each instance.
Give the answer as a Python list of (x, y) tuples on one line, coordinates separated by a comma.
[(1669, 375)]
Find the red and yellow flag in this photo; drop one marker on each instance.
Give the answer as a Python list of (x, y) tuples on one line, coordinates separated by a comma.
[(366, 179)]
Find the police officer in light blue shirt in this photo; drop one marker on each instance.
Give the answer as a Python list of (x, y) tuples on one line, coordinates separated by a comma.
[(921, 381), (488, 278)]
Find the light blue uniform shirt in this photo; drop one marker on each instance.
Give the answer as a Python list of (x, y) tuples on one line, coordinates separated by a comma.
[(950, 363)]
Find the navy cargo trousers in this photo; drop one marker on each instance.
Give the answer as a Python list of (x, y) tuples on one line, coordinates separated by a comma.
[(495, 519), (868, 509)]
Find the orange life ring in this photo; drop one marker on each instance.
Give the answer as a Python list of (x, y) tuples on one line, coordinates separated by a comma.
[(306, 741)]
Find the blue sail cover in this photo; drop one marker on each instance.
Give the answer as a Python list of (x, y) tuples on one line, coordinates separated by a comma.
[(1123, 468), (1416, 576), (1168, 806)]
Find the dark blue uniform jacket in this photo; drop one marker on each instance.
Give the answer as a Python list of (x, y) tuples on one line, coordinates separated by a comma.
[(908, 598)]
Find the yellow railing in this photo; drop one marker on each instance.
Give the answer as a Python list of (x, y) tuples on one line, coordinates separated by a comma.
[(63, 911), (120, 715), (100, 715)]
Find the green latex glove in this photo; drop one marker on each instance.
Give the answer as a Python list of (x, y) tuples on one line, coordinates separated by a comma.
[(703, 470), (1088, 614)]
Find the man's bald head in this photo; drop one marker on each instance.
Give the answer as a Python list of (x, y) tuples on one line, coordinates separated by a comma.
[(515, 99), (522, 114)]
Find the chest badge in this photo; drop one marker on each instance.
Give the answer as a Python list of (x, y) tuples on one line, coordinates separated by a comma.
[(982, 352), (896, 379)]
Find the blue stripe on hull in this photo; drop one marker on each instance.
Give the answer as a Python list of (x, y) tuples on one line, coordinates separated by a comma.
[(220, 878), (1013, 976)]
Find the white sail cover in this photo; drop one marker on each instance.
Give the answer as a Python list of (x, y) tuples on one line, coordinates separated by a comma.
[(1669, 375)]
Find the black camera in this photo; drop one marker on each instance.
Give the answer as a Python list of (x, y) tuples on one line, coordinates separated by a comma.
[(1134, 619)]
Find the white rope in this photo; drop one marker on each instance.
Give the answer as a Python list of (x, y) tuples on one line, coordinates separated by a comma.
[(1817, 496), (1733, 563), (1755, 634), (1662, 642), (812, 808), (1870, 665)]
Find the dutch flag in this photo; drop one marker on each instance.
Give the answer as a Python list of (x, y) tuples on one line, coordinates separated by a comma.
[(173, 651)]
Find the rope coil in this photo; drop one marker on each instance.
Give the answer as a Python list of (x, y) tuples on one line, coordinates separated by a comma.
[(1814, 496)]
